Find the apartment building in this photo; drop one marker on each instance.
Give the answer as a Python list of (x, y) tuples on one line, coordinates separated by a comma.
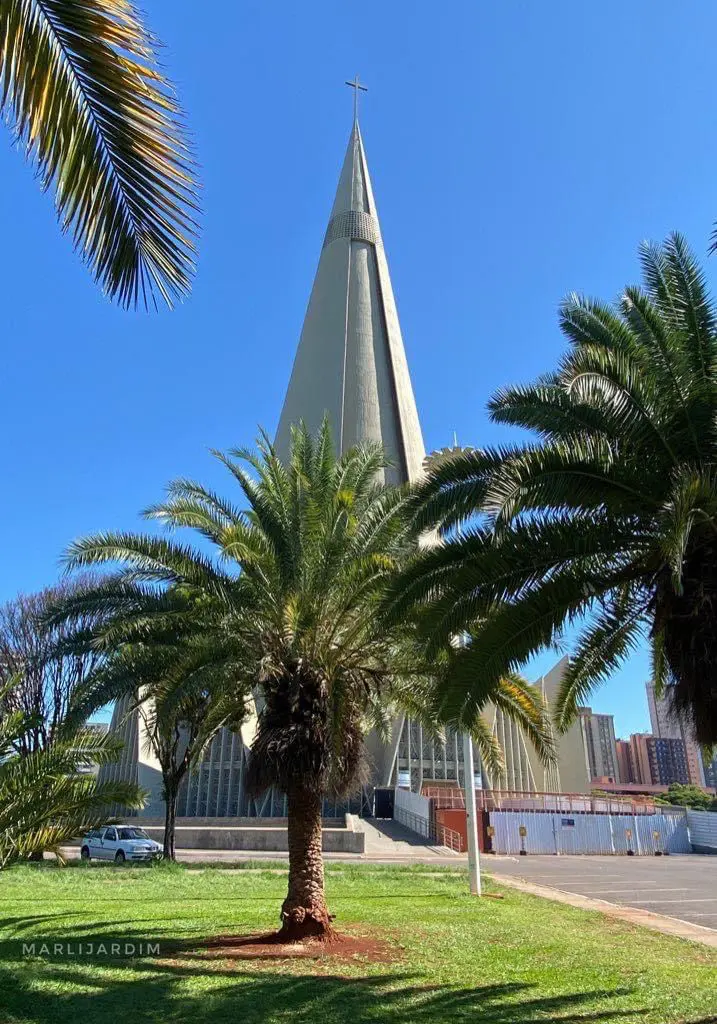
[(652, 760), (600, 746), (625, 765), (665, 725)]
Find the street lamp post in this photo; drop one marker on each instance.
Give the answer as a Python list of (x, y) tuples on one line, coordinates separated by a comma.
[(471, 823)]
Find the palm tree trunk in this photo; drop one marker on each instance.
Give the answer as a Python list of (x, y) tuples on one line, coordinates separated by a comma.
[(171, 792), (304, 913)]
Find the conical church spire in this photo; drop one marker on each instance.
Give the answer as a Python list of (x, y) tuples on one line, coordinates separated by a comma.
[(351, 362)]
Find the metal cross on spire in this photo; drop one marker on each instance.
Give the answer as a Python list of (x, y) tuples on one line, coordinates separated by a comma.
[(357, 87)]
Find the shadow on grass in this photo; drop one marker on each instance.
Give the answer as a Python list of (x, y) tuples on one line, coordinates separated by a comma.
[(158, 929), (181, 987), (154, 992)]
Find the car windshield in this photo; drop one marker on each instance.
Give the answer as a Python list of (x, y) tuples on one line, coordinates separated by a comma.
[(132, 833)]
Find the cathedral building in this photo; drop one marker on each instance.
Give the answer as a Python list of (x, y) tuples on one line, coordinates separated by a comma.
[(350, 365)]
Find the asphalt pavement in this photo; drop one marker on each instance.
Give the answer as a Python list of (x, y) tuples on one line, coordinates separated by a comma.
[(682, 886)]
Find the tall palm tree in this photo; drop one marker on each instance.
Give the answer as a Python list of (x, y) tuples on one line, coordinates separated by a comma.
[(81, 86), (289, 607), (172, 673), (608, 519), (51, 795)]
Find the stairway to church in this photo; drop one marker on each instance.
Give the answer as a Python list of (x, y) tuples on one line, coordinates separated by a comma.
[(387, 839)]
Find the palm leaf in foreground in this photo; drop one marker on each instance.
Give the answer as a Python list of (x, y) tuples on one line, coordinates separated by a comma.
[(51, 796), (80, 83)]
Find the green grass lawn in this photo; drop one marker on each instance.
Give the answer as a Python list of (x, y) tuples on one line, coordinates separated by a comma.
[(457, 958)]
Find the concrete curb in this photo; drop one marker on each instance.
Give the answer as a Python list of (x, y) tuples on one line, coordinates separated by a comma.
[(631, 915)]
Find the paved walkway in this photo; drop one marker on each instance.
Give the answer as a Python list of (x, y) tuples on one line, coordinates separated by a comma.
[(683, 886)]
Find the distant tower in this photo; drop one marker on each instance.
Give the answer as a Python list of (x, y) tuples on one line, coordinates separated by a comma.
[(351, 362)]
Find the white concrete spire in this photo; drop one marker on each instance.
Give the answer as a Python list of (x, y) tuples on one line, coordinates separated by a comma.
[(351, 362)]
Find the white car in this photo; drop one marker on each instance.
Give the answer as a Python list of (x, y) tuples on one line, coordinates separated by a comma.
[(120, 843)]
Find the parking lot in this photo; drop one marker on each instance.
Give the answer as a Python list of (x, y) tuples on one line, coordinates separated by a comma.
[(683, 886)]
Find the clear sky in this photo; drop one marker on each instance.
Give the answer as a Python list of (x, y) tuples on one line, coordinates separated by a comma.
[(518, 151)]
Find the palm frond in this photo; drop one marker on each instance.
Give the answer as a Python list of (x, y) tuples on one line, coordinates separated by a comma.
[(151, 559), (608, 521), (681, 287), (81, 84), (491, 753), (602, 645), (524, 704), (51, 796)]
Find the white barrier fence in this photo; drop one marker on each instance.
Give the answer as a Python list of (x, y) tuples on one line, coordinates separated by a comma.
[(643, 834), (702, 827), (671, 831)]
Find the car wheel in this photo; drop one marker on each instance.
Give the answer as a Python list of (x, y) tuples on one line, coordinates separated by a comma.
[(85, 853), (119, 857)]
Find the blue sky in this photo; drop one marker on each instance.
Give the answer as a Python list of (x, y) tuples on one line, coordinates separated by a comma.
[(518, 151)]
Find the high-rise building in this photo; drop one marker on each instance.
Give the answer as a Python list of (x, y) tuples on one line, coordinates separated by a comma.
[(599, 736), (668, 761), (625, 766), (571, 772), (652, 760), (640, 758), (666, 725)]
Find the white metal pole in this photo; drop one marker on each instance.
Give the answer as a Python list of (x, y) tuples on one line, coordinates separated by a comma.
[(471, 823)]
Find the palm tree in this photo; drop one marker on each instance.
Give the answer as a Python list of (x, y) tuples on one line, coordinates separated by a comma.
[(83, 91), (608, 519), (288, 607), (51, 795), (180, 684)]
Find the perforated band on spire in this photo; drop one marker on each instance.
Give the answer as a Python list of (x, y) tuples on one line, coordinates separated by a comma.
[(354, 224)]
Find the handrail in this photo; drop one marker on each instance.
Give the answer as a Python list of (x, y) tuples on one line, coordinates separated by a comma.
[(515, 800), (441, 834)]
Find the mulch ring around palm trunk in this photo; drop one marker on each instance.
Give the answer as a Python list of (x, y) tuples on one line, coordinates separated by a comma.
[(341, 946)]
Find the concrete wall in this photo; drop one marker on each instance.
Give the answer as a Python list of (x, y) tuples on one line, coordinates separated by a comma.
[(268, 839), (413, 811), (339, 837)]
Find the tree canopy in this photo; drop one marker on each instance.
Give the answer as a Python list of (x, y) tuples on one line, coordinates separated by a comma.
[(606, 522)]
